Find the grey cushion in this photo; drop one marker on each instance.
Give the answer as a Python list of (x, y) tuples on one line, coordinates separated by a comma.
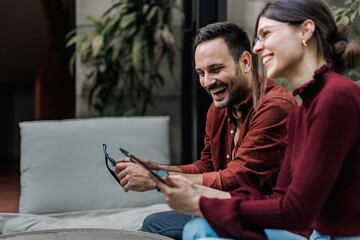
[(84, 233), (63, 168)]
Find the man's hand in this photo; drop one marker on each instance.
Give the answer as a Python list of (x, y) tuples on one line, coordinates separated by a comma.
[(133, 177), (147, 162), (180, 194)]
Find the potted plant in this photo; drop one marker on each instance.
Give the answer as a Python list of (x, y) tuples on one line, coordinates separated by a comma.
[(123, 50)]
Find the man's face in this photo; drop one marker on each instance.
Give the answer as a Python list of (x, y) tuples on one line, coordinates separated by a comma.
[(219, 75)]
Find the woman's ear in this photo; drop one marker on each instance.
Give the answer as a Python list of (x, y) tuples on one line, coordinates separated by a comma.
[(307, 30), (245, 62)]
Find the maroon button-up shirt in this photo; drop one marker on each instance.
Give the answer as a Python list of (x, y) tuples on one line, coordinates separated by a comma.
[(260, 148)]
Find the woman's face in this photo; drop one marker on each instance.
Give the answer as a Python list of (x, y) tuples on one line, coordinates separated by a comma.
[(280, 47)]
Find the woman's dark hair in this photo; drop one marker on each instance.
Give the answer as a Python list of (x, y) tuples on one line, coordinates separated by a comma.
[(331, 40)]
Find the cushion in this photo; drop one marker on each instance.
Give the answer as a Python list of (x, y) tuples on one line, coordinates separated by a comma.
[(63, 167), (124, 218)]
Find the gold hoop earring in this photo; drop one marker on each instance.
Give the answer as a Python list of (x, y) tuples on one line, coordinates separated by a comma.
[(304, 43)]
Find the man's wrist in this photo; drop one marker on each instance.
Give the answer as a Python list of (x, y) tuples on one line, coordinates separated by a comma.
[(170, 168)]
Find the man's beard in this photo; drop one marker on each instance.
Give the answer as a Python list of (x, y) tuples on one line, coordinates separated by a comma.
[(239, 94)]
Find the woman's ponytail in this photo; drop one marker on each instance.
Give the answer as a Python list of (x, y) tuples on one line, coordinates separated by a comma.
[(346, 53)]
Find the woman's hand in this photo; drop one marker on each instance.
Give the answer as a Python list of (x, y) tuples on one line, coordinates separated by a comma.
[(180, 194)]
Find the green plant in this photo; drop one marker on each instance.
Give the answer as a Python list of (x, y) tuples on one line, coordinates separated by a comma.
[(349, 15), (123, 50)]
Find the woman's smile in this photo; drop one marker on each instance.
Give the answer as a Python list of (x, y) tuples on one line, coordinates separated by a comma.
[(266, 59)]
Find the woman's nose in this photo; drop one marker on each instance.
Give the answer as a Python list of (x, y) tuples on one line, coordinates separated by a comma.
[(258, 46)]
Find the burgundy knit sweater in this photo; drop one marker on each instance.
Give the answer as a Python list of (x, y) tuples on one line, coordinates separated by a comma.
[(319, 182)]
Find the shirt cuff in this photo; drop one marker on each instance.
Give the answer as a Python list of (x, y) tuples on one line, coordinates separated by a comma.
[(212, 180), (189, 168)]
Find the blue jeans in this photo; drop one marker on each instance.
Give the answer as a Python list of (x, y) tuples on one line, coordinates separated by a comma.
[(198, 228), (169, 223), (318, 236)]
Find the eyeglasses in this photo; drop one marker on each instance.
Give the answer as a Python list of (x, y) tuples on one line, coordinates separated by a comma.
[(107, 157), (262, 33)]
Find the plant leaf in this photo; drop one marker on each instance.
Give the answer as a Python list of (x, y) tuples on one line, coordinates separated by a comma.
[(116, 51), (151, 13), (158, 48), (92, 19), (136, 52), (116, 5), (345, 20), (85, 43), (69, 34), (71, 41), (127, 20), (168, 38), (72, 64), (352, 17), (96, 44)]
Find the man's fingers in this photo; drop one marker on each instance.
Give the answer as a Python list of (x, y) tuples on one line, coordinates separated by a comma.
[(123, 160), (123, 182), (171, 182), (121, 166), (174, 181), (121, 174)]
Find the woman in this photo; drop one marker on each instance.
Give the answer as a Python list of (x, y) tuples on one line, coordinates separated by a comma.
[(318, 185)]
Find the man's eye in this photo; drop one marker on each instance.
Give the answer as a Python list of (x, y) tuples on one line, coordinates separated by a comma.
[(216, 70), (200, 73)]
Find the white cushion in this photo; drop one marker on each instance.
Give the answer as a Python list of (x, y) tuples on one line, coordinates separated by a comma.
[(63, 167)]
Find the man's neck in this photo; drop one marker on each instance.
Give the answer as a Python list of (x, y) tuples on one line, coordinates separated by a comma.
[(235, 112)]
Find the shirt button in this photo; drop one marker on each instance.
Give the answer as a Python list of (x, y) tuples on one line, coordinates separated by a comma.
[(231, 131), (227, 156)]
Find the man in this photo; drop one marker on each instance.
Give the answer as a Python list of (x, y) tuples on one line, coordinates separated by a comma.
[(244, 141)]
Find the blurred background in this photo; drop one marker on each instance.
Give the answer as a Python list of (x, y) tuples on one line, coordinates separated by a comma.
[(35, 82)]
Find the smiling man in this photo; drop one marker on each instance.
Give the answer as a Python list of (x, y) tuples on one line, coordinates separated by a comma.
[(245, 126)]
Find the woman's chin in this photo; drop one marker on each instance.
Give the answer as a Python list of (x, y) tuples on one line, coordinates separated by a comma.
[(269, 74), (272, 74)]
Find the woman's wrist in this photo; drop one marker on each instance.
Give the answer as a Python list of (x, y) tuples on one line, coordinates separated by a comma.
[(198, 212)]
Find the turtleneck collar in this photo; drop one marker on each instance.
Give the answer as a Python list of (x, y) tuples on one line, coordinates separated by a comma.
[(309, 90)]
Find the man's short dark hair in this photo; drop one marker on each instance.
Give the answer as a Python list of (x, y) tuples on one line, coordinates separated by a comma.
[(235, 37)]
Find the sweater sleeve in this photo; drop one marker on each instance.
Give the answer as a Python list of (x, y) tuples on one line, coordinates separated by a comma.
[(330, 135)]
